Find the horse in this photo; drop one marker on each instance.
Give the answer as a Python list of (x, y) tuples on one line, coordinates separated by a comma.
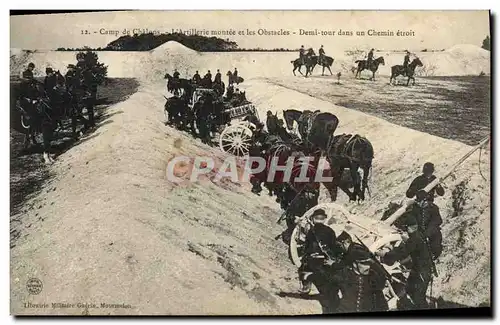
[(397, 70), (174, 85), (310, 60), (326, 63), (362, 65), (234, 79), (348, 151), (178, 112), (219, 87), (315, 128)]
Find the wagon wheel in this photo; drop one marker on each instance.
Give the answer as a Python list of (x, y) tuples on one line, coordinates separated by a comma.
[(236, 139)]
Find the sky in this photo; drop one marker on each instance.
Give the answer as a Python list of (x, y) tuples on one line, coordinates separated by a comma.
[(426, 29)]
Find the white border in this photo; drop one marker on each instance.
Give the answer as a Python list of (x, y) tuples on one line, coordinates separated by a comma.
[(205, 5)]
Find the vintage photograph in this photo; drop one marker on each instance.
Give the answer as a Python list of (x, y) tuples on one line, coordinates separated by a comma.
[(250, 162)]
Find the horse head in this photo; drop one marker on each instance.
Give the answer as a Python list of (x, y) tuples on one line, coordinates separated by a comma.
[(229, 74), (380, 60), (167, 76), (417, 62), (288, 116)]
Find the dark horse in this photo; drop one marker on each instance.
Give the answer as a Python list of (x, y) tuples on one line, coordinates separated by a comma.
[(397, 70), (326, 63), (362, 65), (176, 85), (347, 151), (315, 128), (232, 79)]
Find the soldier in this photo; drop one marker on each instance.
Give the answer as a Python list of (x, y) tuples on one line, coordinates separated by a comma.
[(320, 244), (176, 74), (417, 248), (218, 77), (90, 87), (321, 53), (420, 182), (406, 62), (50, 82), (361, 282), (235, 75), (302, 55), (196, 78), (429, 221), (28, 73), (28, 83), (369, 59)]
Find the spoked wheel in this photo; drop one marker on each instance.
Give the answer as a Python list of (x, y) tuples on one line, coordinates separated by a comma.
[(236, 139), (339, 219)]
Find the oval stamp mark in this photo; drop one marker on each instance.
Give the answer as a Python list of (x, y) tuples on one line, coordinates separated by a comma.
[(34, 286)]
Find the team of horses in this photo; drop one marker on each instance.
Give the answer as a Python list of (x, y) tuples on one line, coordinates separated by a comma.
[(310, 60), (46, 114)]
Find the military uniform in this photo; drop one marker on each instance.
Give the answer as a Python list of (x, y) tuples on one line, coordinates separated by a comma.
[(320, 244), (321, 53), (196, 78), (429, 222), (420, 182), (421, 270), (28, 85), (369, 59), (218, 78), (176, 74), (405, 63), (302, 55)]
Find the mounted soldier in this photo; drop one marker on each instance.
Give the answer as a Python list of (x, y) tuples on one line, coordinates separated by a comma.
[(50, 81), (28, 83), (302, 55), (196, 78), (321, 53), (422, 266), (420, 182), (369, 59), (406, 62), (235, 75), (218, 77), (176, 74)]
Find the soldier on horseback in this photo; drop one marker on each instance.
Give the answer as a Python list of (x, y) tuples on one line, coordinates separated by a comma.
[(369, 59), (176, 74), (218, 77), (302, 55), (196, 78), (406, 62), (321, 53)]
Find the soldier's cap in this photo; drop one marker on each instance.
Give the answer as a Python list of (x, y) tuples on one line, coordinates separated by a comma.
[(319, 214), (31, 64), (428, 166), (344, 236), (359, 254)]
